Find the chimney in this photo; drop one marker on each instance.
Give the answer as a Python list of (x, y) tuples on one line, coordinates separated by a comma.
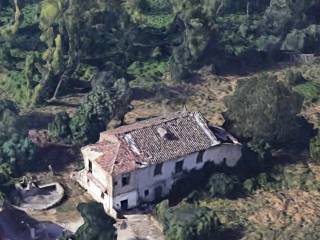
[(162, 132)]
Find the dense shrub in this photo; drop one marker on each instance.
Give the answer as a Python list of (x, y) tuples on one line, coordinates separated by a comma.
[(6, 173), (97, 224), (59, 129), (263, 110), (15, 147), (294, 78), (100, 106), (315, 148), (254, 159), (188, 222), (221, 185)]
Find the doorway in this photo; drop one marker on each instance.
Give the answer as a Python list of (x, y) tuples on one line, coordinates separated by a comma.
[(158, 193), (124, 205)]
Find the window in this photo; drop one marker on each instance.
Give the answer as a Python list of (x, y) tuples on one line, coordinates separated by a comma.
[(179, 166), (146, 192), (90, 166), (125, 179), (158, 169), (102, 195), (200, 157)]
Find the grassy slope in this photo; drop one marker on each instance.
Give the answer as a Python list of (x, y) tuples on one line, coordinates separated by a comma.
[(287, 214)]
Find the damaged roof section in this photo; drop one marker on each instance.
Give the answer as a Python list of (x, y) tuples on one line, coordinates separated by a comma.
[(153, 141)]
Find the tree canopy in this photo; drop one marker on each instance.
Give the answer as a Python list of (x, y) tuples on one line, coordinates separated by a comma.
[(97, 224), (263, 109), (16, 149)]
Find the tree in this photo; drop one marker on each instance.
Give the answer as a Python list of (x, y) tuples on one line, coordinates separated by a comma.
[(59, 129), (9, 31), (198, 23), (264, 110), (15, 147), (92, 117), (100, 106), (97, 224)]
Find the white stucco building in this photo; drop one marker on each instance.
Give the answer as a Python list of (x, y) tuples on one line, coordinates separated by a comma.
[(139, 163)]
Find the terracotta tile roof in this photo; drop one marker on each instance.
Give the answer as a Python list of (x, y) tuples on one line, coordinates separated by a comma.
[(152, 141)]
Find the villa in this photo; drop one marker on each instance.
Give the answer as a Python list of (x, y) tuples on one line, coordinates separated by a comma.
[(139, 163)]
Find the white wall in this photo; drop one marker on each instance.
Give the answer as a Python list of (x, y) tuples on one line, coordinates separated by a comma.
[(95, 191), (132, 198), (101, 183), (144, 179), (230, 153)]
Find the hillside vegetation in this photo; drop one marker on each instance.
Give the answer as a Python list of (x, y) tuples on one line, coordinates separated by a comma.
[(81, 67)]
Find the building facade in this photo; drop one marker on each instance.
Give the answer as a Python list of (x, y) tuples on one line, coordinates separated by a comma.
[(139, 163)]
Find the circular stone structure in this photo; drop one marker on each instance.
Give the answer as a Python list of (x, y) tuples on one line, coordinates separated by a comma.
[(35, 197)]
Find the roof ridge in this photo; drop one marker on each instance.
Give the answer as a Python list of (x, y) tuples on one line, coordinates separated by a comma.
[(116, 156), (199, 116), (140, 124)]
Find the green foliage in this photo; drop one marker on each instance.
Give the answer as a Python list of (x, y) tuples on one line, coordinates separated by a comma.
[(59, 129), (85, 72), (97, 224), (310, 91), (100, 106), (6, 173), (30, 14), (263, 109), (191, 181), (303, 40), (148, 75), (187, 222), (92, 117), (19, 151), (151, 13), (161, 210), (282, 178), (199, 19), (17, 88), (8, 32), (294, 78), (315, 148), (221, 185), (16, 149)]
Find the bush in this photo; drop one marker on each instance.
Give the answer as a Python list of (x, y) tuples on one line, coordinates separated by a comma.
[(310, 91), (15, 147), (6, 173), (221, 185), (254, 159), (294, 78), (101, 105), (20, 152), (187, 222), (315, 148), (59, 129), (193, 180), (97, 224)]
